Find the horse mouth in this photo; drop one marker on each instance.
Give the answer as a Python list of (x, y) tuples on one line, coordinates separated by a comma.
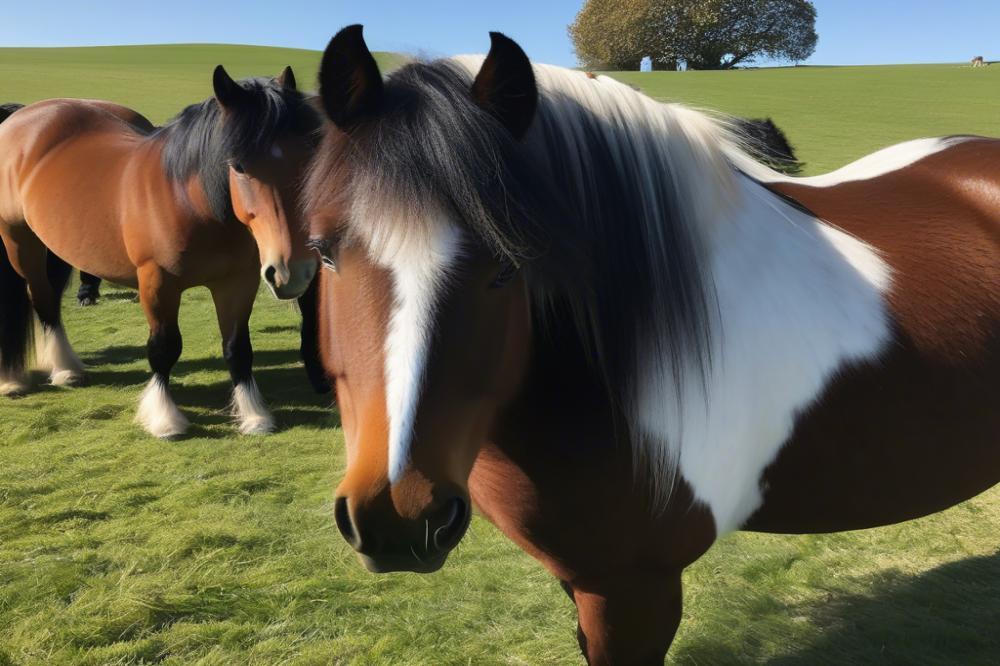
[(411, 563)]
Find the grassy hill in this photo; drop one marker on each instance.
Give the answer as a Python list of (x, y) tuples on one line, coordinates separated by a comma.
[(216, 549), (834, 115), (155, 80)]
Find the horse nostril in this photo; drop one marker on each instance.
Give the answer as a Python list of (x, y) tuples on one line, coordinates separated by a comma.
[(269, 274), (342, 514), (450, 531)]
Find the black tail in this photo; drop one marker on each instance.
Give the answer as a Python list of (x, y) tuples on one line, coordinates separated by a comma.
[(16, 320), (16, 323)]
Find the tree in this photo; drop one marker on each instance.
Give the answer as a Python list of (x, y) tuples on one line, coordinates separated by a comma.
[(608, 34), (707, 34)]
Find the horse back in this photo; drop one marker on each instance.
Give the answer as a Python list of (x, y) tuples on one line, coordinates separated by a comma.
[(63, 172), (918, 428)]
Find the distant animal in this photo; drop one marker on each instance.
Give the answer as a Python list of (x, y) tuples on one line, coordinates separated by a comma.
[(766, 141), (978, 61), (208, 199), (621, 336)]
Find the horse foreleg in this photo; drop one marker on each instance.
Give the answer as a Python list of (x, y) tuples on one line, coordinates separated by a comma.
[(233, 305), (309, 349), (161, 301), (628, 619)]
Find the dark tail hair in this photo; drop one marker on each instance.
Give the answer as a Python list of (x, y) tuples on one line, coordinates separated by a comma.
[(16, 320), (16, 324)]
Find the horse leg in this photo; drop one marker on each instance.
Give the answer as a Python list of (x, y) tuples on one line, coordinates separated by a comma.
[(161, 301), (90, 289), (46, 282), (233, 305), (628, 619), (309, 349)]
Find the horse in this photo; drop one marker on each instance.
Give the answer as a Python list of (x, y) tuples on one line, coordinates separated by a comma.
[(209, 199), (979, 61), (90, 285), (765, 140), (598, 318)]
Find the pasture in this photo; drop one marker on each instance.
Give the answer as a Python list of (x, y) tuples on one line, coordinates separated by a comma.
[(116, 548)]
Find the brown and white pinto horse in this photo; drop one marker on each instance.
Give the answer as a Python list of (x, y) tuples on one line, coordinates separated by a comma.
[(209, 199), (623, 338)]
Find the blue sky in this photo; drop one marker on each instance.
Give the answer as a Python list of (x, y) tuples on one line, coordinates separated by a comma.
[(851, 31)]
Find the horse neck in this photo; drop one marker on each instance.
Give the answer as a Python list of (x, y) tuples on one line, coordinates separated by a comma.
[(794, 299)]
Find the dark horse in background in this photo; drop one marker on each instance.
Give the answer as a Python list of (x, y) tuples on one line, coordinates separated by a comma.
[(602, 321), (209, 199), (768, 144)]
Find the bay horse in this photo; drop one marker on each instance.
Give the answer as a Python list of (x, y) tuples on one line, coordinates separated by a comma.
[(209, 199), (90, 285), (598, 318)]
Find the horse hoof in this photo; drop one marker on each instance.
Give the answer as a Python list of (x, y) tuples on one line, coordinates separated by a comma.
[(12, 388), (88, 301), (256, 426), (65, 378), (172, 427), (158, 414)]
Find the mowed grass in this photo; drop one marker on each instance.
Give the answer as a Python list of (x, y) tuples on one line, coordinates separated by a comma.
[(219, 549)]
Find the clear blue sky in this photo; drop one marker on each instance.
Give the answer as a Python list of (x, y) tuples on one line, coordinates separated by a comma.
[(851, 31)]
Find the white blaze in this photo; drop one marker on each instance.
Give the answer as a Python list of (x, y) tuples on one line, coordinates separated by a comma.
[(418, 271)]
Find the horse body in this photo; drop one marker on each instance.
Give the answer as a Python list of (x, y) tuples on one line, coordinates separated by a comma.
[(205, 200), (49, 160), (623, 338)]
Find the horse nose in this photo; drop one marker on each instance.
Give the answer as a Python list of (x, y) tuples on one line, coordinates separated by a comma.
[(449, 524), (435, 534), (269, 273), (275, 274), (345, 523)]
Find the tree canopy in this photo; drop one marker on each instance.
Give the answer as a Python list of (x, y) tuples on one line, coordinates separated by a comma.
[(706, 34)]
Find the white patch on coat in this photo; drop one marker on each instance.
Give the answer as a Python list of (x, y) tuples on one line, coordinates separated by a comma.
[(798, 301)]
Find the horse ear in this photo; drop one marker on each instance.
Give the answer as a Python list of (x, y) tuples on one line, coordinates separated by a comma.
[(350, 84), (286, 79), (228, 93), (505, 85)]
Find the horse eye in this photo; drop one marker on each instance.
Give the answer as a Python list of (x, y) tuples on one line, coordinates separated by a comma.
[(327, 252), (508, 271), (237, 167)]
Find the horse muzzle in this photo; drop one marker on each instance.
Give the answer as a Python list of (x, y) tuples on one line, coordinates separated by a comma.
[(288, 281), (387, 542)]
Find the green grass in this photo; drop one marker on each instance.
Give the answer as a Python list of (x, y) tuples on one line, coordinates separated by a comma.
[(834, 115), (157, 80), (217, 549)]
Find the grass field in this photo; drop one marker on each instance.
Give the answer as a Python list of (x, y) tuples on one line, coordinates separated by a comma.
[(215, 549)]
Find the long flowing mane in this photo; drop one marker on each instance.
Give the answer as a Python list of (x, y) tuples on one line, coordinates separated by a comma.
[(607, 203), (203, 139)]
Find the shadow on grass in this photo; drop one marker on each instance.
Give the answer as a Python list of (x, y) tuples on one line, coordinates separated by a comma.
[(949, 615), (280, 375), (129, 354)]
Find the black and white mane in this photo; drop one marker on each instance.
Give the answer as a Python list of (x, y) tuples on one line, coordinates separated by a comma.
[(203, 139)]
